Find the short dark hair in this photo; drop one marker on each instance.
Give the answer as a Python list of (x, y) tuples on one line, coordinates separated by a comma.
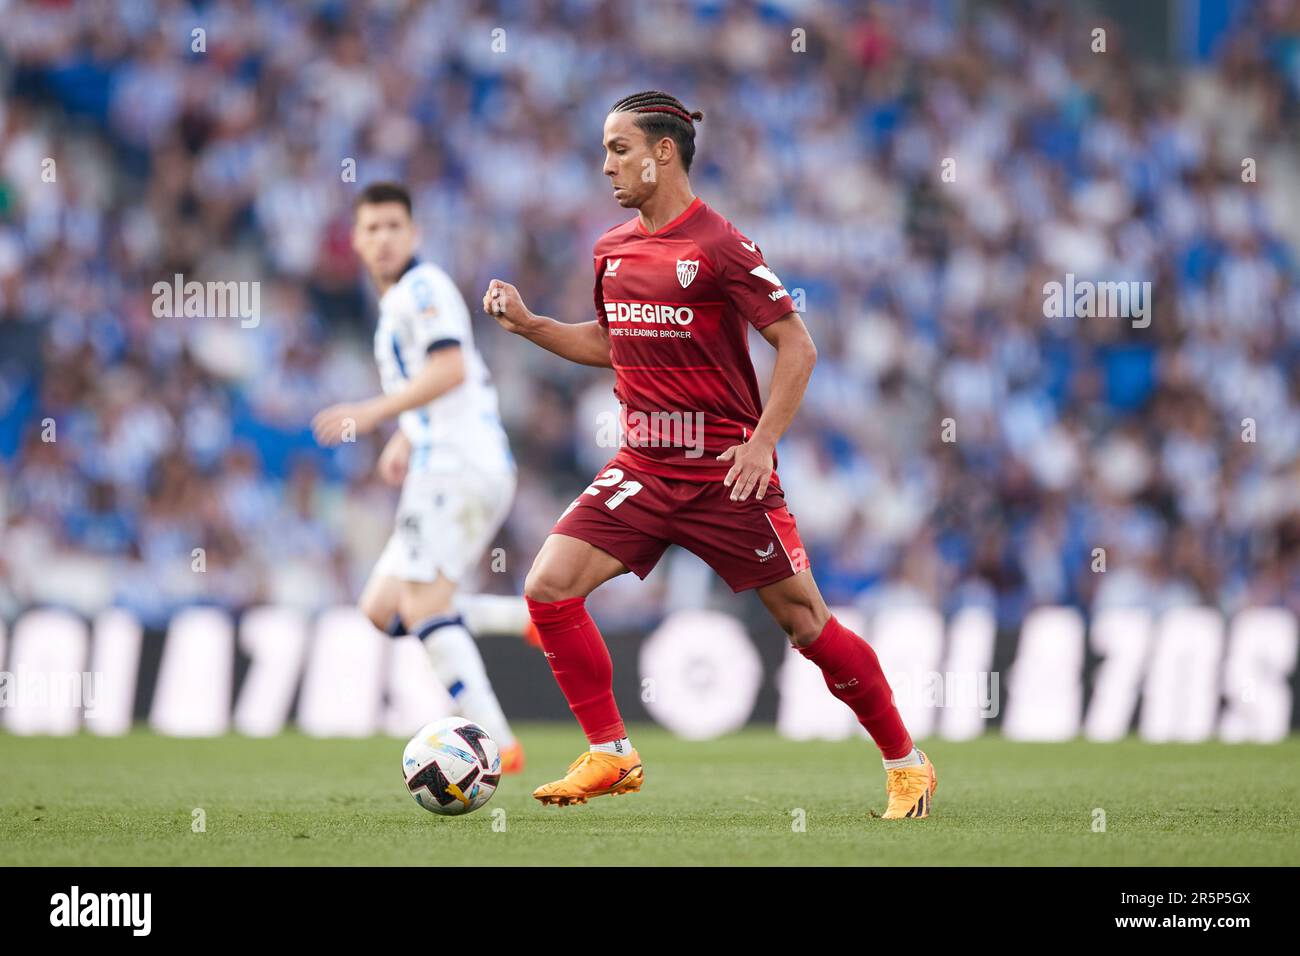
[(384, 192), (660, 115)]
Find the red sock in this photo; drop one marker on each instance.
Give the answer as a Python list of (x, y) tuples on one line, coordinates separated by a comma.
[(852, 672), (580, 661)]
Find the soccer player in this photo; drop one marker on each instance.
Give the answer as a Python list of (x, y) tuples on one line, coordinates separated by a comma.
[(676, 289), (449, 454)]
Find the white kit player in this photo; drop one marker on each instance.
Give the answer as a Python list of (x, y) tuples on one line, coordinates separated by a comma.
[(449, 454)]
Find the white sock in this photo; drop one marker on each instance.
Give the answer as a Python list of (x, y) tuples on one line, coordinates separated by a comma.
[(914, 759), (621, 747), (459, 666), (493, 613)]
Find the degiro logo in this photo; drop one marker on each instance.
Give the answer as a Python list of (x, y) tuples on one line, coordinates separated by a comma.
[(651, 312)]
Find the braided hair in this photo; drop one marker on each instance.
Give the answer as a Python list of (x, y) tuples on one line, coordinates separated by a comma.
[(662, 115)]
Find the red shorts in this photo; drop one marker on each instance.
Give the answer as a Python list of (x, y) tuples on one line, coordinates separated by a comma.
[(634, 516)]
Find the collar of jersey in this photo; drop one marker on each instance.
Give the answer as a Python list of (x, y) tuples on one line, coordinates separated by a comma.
[(414, 261), (696, 203)]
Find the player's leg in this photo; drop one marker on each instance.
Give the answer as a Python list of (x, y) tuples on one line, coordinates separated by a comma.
[(565, 571), (853, 674), (568, 568), (389, 602), (379, 602), (756, 545), (849, 665), (588, 546), (444, 523), (430, 610)]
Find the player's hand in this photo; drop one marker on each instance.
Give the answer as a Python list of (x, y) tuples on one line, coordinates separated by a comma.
[(394, 459), (345, 420), (503, 302), (751, 465)]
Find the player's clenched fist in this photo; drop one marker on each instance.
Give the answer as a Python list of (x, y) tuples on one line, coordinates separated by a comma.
[(503, 303)]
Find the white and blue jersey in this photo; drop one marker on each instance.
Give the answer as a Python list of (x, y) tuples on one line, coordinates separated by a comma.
[(461, 478), (421, 313)]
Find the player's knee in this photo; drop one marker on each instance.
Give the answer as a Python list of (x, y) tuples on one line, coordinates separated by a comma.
[(377, 612), (802, 622), (546, 583), (421, 602)]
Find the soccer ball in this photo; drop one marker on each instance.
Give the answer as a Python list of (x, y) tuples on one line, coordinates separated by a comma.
[(451, 766)]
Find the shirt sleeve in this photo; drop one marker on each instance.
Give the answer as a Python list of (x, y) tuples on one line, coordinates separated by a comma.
[(439, 317), (751, 287)]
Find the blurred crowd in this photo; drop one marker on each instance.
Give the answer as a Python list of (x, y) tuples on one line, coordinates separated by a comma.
[(915, 173)]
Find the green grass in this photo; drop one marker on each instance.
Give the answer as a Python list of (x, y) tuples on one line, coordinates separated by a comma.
[(293, 800)]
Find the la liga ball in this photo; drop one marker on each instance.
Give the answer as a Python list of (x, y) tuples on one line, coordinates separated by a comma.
[(451, 766)]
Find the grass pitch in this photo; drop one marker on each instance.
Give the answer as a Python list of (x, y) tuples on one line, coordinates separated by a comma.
[(294, 800)]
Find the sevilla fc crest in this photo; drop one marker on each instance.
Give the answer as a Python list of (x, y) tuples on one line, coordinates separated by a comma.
[(686, 269)]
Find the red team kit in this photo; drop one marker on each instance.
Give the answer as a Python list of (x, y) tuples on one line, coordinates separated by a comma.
[(678, 304)]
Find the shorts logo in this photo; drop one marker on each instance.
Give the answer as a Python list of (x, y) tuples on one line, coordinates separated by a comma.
[(764, 555), (410, 528), (686, 270), (852, 683)]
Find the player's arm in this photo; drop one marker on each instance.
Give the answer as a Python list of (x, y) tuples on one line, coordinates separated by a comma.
[(443, 370), (395, 459), (586, 343), (751, 463)]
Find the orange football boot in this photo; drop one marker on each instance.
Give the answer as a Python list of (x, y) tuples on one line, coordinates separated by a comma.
[(594, 774), (910, 790), (512, 758)]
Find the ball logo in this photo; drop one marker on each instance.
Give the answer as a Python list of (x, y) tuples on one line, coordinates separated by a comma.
[(686, 270)]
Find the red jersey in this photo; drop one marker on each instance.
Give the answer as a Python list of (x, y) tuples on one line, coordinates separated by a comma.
[(678, 303)]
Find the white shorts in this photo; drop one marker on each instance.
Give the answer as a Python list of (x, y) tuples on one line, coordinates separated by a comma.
[(445, 521)]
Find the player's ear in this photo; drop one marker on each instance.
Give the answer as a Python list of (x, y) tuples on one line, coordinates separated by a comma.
[(664, 154)]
